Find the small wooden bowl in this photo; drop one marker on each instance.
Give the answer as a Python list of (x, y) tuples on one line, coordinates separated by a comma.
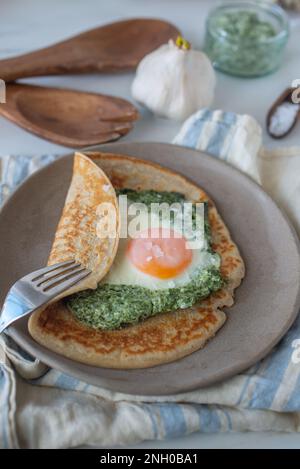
[(285, 96)]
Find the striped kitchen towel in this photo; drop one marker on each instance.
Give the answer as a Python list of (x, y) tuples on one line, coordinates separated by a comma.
[(44, 408)]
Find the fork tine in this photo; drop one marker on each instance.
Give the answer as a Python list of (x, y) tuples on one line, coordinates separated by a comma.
[(57, 274), (25, 296), (70, 282), (65, 275), (40, 272)]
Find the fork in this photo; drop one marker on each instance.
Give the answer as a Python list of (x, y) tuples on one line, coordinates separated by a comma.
[(38, 288)]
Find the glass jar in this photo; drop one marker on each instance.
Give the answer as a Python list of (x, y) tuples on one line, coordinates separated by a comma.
[(246, 39)]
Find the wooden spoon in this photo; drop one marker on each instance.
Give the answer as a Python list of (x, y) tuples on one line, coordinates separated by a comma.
[(67, 117), (114, 47)]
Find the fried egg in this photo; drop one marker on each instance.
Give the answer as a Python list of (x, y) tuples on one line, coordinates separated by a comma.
[(159, 256)]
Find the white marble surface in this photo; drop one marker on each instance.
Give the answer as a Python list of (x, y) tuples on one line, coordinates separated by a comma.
[(29, 24)]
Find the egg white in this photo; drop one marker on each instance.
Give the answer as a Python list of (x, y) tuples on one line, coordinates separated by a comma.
[(123, 272)]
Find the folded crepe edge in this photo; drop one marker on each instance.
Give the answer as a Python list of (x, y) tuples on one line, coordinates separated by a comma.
[(77, 236)]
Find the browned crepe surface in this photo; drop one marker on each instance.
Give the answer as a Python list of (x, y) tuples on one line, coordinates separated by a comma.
[(165, 337)]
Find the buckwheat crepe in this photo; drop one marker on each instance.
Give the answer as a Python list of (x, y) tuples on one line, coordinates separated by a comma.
[(76, 234), (160, 339)]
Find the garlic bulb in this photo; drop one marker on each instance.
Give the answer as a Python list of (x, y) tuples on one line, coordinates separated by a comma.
[(174, 81)]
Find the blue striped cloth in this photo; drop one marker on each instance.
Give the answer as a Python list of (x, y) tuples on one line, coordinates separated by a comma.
[(56, 410)]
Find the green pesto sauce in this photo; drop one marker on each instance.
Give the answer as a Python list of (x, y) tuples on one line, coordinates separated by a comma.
[(113, 306), (237, 43), (152, 197), (149, 197), (244, 25)]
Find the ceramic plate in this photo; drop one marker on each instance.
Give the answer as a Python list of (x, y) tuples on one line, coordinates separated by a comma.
[(266, 303)]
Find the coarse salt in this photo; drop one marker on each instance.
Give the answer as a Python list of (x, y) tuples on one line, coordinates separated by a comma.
[(157, 251), (283, 118), (106, 187)]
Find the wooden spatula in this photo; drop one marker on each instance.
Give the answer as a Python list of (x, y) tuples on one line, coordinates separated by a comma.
[(70, 118), (114, 47)]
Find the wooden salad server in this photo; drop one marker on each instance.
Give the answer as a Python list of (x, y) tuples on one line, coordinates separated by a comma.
[(111, 48), (67, 117)]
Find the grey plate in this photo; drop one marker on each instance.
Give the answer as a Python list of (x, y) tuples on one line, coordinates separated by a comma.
[(266, 303)]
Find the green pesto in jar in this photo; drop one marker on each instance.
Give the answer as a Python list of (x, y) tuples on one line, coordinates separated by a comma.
[(112, 306), (244, 25), (244, 42)]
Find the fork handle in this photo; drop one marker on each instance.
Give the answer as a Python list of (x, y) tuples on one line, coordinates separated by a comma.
[(15, 306), (2, 326)]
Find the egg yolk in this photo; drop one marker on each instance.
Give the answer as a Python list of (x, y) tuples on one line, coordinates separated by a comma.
[(157, 252)]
